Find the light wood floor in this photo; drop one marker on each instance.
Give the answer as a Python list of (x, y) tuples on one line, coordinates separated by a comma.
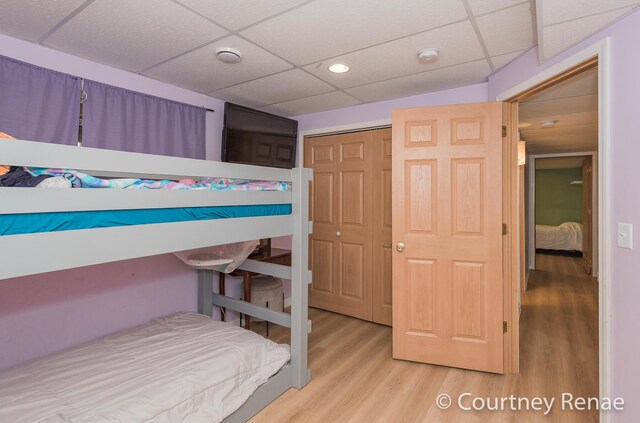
[(356, 380)]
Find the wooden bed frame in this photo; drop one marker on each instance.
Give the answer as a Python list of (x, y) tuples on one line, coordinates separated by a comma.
[(94, 246)]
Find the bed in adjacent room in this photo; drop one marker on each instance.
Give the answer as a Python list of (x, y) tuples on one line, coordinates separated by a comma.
[(565, 237)]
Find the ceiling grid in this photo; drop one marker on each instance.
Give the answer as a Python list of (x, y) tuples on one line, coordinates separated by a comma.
[(288, 45)]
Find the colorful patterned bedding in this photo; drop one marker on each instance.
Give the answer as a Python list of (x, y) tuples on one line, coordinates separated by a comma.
[(82, 180)]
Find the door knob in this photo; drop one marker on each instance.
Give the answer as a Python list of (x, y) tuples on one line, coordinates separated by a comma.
[(338, 233), (400, 247)]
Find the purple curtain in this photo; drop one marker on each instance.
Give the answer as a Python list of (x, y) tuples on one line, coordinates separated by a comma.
[(38, 104), (119, 119)]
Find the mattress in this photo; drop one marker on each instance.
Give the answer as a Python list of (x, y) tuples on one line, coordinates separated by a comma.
[(181, 368), (565, 237), (17, 224)]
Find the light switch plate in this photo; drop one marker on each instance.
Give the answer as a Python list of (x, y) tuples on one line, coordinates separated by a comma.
[(625, 235)]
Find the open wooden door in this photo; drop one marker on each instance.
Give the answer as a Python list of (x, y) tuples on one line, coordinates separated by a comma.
[(447, 236), (587, 215)]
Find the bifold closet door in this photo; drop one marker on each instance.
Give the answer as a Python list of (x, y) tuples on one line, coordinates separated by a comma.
[(341, 210), (382, 277)]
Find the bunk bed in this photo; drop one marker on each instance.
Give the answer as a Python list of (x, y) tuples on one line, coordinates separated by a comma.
[(107, 243)]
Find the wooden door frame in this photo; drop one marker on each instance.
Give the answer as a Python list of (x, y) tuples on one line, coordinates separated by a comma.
[(601, 52), (531, 230)]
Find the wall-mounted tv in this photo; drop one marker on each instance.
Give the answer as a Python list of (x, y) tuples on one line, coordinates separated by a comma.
[(253, 137)]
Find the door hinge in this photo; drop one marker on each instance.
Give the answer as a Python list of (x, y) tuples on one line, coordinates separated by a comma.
[(504, 229), (504, 327), (504, 130)]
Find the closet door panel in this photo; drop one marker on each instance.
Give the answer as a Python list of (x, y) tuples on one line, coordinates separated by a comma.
[(342, 216), (381, 230)]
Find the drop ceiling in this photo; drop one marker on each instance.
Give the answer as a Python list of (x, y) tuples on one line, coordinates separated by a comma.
[(573, 103), (564, 23), (287, 45)]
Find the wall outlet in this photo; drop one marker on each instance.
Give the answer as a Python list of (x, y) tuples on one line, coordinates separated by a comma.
[(625, 235)]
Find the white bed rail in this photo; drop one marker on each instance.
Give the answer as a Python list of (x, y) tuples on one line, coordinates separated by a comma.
[(94, 246), (95, 161)]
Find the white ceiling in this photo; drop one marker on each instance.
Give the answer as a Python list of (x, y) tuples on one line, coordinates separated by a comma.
[(287, 45), (574, 104), (563, 23)]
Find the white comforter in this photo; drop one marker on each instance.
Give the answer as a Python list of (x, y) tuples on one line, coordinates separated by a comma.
[(567, 237), (181, 368)]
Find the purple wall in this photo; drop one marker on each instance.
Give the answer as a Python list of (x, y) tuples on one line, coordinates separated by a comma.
[(42, 314), (624, 194), (46, 313)]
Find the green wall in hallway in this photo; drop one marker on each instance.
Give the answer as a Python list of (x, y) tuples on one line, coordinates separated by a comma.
[(556, 200)]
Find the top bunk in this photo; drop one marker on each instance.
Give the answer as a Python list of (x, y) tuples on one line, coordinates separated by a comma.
[(82, 227)]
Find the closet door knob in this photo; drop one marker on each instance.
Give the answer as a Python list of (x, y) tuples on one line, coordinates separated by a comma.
[(400, 247), (338, 234)]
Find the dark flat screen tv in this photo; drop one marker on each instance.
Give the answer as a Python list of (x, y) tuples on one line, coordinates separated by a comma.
[(258, 138)]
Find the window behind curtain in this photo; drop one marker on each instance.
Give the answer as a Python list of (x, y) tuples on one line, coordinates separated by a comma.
[(38, 104), (119, 119)]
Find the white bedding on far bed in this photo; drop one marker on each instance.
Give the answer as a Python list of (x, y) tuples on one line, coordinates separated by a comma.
[(181, 368), (566, 237)]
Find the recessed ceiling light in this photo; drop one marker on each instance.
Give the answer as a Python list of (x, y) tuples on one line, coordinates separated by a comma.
[(524, 124), (428, 55), (228, 55), (548, 123), (339, 68)]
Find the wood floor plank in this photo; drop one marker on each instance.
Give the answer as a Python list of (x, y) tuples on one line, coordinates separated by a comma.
[(356, 380)]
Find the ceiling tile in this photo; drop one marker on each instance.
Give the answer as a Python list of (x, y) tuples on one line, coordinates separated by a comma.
[(289, 85), (316, 103), (480, 7), (31, 19), (133, 35), (577, 130), (584, 103), (507, 30), (457, 43), (566, 119), (237, 14), (436, 80), (563, 144), (582, 84), (201, 71), (554, 11), (558, 38), (502, 60), (328, 28)]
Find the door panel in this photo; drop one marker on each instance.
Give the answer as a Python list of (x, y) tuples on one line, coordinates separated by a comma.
[(341, 211), (421, 188), (322, 263), (382, 219), (352, 198), (447, 199)]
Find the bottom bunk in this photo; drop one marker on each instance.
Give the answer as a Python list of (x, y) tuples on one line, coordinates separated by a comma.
[(184, 367)]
